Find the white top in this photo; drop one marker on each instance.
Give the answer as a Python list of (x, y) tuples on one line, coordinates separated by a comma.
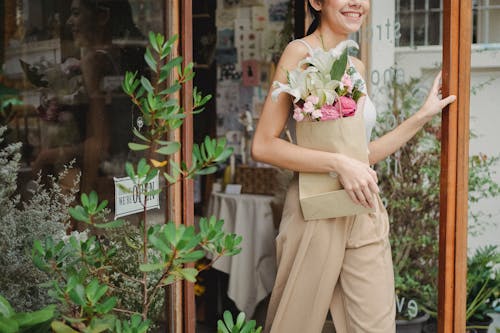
[(369, 112)]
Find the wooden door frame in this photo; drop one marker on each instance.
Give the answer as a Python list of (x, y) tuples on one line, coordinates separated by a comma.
[(457, 32), (457, 40)]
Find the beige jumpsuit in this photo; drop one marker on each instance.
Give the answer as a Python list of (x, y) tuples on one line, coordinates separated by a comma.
[(342, 264)]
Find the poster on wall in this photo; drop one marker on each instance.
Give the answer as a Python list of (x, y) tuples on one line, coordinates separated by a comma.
[(251, 72), (227, 101), (259, 18), (224, 18)]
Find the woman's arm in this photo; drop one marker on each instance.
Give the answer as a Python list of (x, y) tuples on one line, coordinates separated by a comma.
[(395, 139), (357, 178)]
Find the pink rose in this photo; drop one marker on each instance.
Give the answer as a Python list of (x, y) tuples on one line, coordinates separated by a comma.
[(329, 112), (346, 81), (347, 106), (313, 99), (298, 115), (308, 107), (316, 114)]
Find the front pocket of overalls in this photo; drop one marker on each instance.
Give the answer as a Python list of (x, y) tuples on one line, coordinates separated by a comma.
[(369, 228)]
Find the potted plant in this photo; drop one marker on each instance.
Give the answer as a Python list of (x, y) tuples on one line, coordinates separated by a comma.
[(483, 287)]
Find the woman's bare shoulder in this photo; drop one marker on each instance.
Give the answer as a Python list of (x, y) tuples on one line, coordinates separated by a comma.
[(293, 53)]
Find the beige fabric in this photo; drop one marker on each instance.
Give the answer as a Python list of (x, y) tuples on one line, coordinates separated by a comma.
[(343, 264), (321, 195)]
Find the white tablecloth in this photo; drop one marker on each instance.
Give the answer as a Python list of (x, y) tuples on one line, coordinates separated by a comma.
[(251, 272)]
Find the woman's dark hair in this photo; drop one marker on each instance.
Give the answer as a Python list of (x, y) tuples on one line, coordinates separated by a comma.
[(316, 17), (121, 23)]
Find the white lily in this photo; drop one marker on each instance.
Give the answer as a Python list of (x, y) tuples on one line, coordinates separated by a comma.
[(324, 60), (298, 82), (324, 87), (337, 51)]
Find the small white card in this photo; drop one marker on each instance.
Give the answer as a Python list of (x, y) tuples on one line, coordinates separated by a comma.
[(233, 189)]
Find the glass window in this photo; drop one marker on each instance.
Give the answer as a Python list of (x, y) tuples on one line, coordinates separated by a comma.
[(420, 22), (65, 61)]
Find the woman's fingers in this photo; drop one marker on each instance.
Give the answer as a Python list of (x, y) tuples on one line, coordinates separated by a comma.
[(437, 82), (448, 100), (353, 196)]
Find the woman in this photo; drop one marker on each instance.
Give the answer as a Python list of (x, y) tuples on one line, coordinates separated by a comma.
[(96, 25), (343, 264)]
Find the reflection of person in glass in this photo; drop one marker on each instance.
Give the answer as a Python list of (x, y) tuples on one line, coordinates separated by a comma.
[(339, 264), (95, 26)]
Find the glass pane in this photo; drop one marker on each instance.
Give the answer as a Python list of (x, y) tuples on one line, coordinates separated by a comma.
[(435, 3), (61, 96), (405, 30), (434, 29), (419, 29), (420, 4), (404, 4)]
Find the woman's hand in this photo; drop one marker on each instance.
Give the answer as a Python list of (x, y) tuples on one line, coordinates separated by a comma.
[(358, 179), (434, 103)]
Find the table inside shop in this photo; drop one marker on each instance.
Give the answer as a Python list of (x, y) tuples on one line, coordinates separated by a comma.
[(251, 272)]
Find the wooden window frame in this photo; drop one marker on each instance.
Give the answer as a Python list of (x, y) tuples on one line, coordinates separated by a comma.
[(457, 32)]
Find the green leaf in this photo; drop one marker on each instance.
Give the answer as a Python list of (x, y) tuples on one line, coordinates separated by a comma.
[(172, 89), (209, 145), (107, 305), (169, 178), (137, 146), (339, 67), (189, 274), (152, 174), (129, 169), (152, 41), (221, 328), (84, 199), (110, 225), (169, 149), (193, 256), (240, 320), (6, 309), (34, 318), (224, 155), (150, 60), (151, 267), (207, 171), (79, 213), (147, 85), (159, 244), (228, 319), (8, 325), (60, 327), (142, 168), (101, 206), (139, 135), (77, 295), (93, 199), (171, 64)]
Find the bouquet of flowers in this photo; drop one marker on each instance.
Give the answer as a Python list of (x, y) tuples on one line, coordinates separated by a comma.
[(324, 90), (321, 86), (59, 85)]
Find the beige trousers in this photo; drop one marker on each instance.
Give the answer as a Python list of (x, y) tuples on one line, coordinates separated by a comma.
[(342, 264)]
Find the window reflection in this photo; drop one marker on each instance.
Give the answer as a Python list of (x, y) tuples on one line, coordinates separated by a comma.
[(65, 61)]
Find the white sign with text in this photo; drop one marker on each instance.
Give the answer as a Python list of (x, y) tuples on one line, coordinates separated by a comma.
[(127, 203)]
